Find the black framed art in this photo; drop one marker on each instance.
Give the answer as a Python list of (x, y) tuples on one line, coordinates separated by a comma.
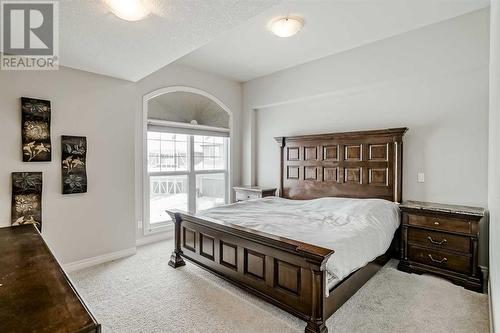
[(36, 130), (27, 198), (74, 164)]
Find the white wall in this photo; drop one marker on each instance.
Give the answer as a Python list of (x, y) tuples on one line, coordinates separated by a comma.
[(227, 91), (109, 113), (494, 163), (100, 108), (433, 80), (447, 140)]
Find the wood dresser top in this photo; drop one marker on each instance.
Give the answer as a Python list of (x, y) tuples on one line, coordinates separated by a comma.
[(443, 208), (35, 293)]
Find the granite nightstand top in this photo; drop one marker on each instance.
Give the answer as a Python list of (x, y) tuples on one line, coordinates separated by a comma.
[(437, 207)]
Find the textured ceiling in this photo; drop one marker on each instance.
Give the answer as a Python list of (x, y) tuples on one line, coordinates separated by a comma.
[(95, 40), (331, 26)]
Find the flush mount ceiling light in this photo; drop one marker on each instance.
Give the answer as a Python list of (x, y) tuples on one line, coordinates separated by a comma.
[(286, 26), (129, 10)]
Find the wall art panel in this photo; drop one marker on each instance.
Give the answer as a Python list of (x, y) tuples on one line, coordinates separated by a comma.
[(74, 164), (27, 198), (36, 130)]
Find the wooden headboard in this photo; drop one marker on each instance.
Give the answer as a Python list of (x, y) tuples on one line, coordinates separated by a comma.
[(363, 164)]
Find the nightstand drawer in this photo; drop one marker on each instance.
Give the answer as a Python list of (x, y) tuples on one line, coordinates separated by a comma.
[(439, 223), (441, 259), (242, 195), (439, 240)]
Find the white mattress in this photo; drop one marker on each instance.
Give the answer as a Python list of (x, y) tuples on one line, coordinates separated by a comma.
[(358, 230)]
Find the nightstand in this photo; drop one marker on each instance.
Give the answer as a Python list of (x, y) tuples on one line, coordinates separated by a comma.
[(443, 240), (253, 192)]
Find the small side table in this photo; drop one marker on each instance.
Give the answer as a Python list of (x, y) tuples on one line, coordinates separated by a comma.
[(443, 240), (253, 192)]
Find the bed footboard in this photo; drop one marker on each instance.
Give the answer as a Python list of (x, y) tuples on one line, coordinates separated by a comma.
[(284, 272)]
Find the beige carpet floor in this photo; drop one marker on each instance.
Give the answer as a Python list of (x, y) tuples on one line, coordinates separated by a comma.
[(142, 293)]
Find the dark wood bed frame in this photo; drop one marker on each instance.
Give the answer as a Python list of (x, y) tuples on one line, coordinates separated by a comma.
[(288, 273)]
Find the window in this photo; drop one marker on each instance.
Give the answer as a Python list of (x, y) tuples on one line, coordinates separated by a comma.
[(210, 190), (186, 172), (166, 192), (208, 153), (167, 152)]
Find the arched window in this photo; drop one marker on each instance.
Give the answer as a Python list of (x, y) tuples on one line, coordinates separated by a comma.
[(187, 150)]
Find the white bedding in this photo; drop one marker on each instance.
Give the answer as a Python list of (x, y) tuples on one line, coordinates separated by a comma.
[(358, 230)]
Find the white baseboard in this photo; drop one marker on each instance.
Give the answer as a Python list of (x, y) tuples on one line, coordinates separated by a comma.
[(490, 303), (85, 263), (89, 262), (168, 234)]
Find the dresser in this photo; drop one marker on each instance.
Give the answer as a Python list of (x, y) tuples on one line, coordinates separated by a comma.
[(253, 192), (442, 240), (35, 293)]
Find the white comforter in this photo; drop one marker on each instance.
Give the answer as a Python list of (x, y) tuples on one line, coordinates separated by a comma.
[(358, 230)]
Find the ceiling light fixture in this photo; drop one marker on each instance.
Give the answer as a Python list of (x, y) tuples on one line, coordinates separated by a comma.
[(286, 26), (129, 10)]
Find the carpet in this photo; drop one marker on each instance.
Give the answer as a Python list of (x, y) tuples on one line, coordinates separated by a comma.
[(142, 293)]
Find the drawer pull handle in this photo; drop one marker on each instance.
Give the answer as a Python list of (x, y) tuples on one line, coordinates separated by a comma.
[(436, 242), (438, 261), (436, 223)]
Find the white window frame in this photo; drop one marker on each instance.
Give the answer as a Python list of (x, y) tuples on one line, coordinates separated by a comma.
[(151, 227), (190, 172), (143, 191), (192, 200)]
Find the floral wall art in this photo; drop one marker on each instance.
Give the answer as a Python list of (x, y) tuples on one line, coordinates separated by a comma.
[(27, 198), (36, 130), (74, 160)]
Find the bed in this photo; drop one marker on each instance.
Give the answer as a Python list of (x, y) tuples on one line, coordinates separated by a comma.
[(340, 184)]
